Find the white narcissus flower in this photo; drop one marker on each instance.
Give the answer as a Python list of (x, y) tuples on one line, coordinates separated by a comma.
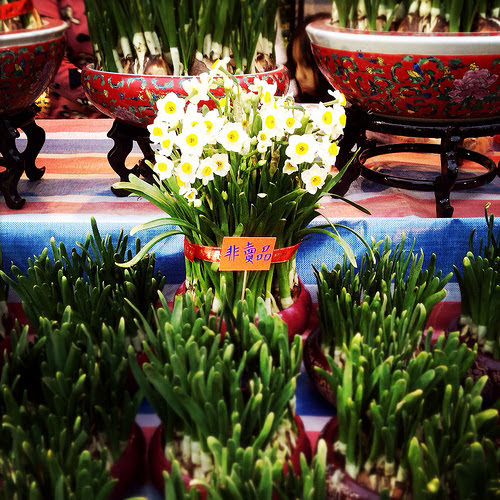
[(289, 167), (213, 123), (266, 90), (158, 130), (301, 148), (191, 140), (197, 88), (167, 143), (339, 96), (186, 168), (206, 170), (272, 121), (264, 141), (222, 163), (163, 166), (324, 117), (184, 187), (171, 109), (192, 116), (314, 178), (328, 151), (190, 195), (292, 120), (233, 137)]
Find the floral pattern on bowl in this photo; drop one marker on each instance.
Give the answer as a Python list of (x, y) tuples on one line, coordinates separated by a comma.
[(29, 59), (454, 76), (132, 98)]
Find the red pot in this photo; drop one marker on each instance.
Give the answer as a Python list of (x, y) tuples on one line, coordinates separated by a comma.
[(296, 316), (314, 357), (483, 365), (159, 463), (29, 58), (347, 488), (132, 98), (129, 468)]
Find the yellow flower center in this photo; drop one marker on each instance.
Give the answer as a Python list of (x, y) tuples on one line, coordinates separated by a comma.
[(342, 119), (162, 166), (222, 102), (180, 183), (192, 140), (270, 121), (166, 143), (206, 171), (157, 131), (209, 125), (327, 117), (267, 97), (316, 180), (302, 148), (233, 136), (187, 167), (219, 164), (332, 149), (170, 107), (290, 121)]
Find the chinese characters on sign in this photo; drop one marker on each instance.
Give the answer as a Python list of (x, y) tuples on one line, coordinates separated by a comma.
[(246, 253)]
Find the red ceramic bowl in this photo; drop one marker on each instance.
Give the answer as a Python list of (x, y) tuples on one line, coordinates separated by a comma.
[(424, 76), (29, 59), (131, 98), (129, 468)]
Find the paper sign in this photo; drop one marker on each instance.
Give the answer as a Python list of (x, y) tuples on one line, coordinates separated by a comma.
[(252, 253)]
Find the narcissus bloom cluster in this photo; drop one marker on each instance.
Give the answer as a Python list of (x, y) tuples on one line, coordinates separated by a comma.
[(241, 131)]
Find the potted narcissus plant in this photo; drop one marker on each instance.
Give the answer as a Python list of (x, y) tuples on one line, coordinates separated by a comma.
[(479, 321), (212, 392), (387, 300), (68, 418), (31, 50), (255, 166), (87, 279), (409, 429), (170, 46), (422, 60)]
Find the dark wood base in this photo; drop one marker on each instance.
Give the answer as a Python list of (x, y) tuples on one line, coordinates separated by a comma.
[(451, 135)]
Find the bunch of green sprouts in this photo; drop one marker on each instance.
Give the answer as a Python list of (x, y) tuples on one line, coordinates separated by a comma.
[(388, 299), (67, 410), (182, 37), (479, 285), (251, 475), (254, 165), (415, 15), (407, 426), (88, 280), (204, 386)]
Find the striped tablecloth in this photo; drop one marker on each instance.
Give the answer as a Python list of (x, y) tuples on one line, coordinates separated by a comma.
[(77, 183)]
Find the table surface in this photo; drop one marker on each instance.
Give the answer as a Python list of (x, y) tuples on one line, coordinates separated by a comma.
[(77, 183)]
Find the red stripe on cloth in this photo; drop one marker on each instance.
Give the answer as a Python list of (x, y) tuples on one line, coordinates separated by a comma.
[(68, 164), (69, 126)]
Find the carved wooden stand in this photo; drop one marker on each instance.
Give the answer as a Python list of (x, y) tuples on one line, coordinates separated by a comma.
[(14, 162), (124, 136), (451, 155)]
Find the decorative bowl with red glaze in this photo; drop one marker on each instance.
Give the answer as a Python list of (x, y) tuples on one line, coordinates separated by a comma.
[(29, 59), (424, 76), (131, 98)]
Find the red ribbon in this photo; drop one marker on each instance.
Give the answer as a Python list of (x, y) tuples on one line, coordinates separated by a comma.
[(14, 9), (212, 254)]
